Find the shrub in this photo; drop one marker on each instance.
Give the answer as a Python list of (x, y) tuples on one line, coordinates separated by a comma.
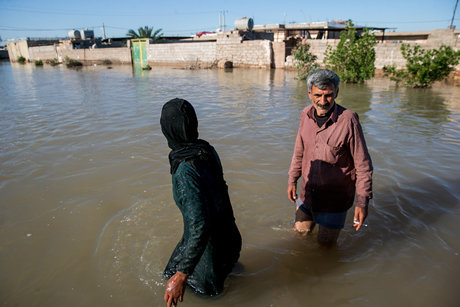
[(72, 63), (106, 62), (38, 63), (305, 60), (21, 59), (353, 59), (52, 62), (424, 67)]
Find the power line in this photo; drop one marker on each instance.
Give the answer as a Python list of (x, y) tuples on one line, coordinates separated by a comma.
[(104, 13), (453, 15), (7, 28), (408, 22)]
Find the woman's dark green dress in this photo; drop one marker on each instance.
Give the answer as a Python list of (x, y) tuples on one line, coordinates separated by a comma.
[(211, 243)]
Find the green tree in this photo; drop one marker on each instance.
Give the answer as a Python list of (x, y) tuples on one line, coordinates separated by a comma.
[(353, 59), (145, 32), (424, 67), (305, 60)]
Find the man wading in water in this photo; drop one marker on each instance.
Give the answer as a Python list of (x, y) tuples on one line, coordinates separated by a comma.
[(211, 243), (331, 156)]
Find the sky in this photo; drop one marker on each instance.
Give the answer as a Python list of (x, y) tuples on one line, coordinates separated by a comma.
[(53, 18)]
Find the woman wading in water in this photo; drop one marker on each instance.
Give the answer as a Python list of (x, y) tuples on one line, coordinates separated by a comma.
[(211, 243)]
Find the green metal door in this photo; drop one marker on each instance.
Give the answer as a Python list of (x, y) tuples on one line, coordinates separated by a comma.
[(139, 51)]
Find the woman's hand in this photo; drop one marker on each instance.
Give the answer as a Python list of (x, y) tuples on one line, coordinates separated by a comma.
[(175, 288)]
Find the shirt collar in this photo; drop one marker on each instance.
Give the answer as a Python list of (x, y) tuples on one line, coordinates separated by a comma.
[(333, 117)]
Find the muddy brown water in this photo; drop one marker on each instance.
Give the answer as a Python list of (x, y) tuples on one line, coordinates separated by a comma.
[(86, 210)]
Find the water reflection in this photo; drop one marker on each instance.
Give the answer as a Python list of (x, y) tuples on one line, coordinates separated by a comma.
[(87, 214), (348, 98)]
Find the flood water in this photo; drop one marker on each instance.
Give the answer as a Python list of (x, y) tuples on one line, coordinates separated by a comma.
[(86, 210)]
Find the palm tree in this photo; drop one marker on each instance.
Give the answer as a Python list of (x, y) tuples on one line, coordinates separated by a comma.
[(145, 32)]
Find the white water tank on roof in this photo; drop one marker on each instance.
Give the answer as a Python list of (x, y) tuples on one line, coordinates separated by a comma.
[(74, 34), (244, 24), (86, 34)]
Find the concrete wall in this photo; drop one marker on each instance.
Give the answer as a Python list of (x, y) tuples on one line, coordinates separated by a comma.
[(43, 53), (61, 51), (279, 54), (120, 55), (17, 49), (236, 47), (182, 53), (388, 52)]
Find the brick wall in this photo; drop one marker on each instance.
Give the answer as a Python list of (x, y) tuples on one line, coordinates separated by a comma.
[(387, 53), (232, 47), (250, 53)]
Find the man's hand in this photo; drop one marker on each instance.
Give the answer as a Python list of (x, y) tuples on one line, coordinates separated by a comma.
[(175, 288), (291, 192), (360, 216)]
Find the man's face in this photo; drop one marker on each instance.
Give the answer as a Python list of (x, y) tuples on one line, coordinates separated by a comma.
[(323, 100)]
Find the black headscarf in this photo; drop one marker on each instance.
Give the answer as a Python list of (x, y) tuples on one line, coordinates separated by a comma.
[(179, 125)]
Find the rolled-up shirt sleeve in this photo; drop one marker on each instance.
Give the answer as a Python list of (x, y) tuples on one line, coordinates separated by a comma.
[(295, 170), (363, 164)]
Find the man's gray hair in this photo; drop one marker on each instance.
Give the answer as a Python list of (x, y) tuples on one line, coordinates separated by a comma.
[(321, 78)]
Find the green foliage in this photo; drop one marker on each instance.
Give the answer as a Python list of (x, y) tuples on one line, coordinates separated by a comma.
[(305, 60), (21, 59), (72, 63), (145, 32), (424, 67), (52, 62), (38, 63), (353, 59), (106, 62)]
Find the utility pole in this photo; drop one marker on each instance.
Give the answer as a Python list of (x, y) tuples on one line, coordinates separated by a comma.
[(223, 19), (453, 17), (220, 21), (103, 31)]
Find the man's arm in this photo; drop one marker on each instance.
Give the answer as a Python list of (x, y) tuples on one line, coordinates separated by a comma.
[(364, 170), (359, 217), (295, 170), (291, 192)]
